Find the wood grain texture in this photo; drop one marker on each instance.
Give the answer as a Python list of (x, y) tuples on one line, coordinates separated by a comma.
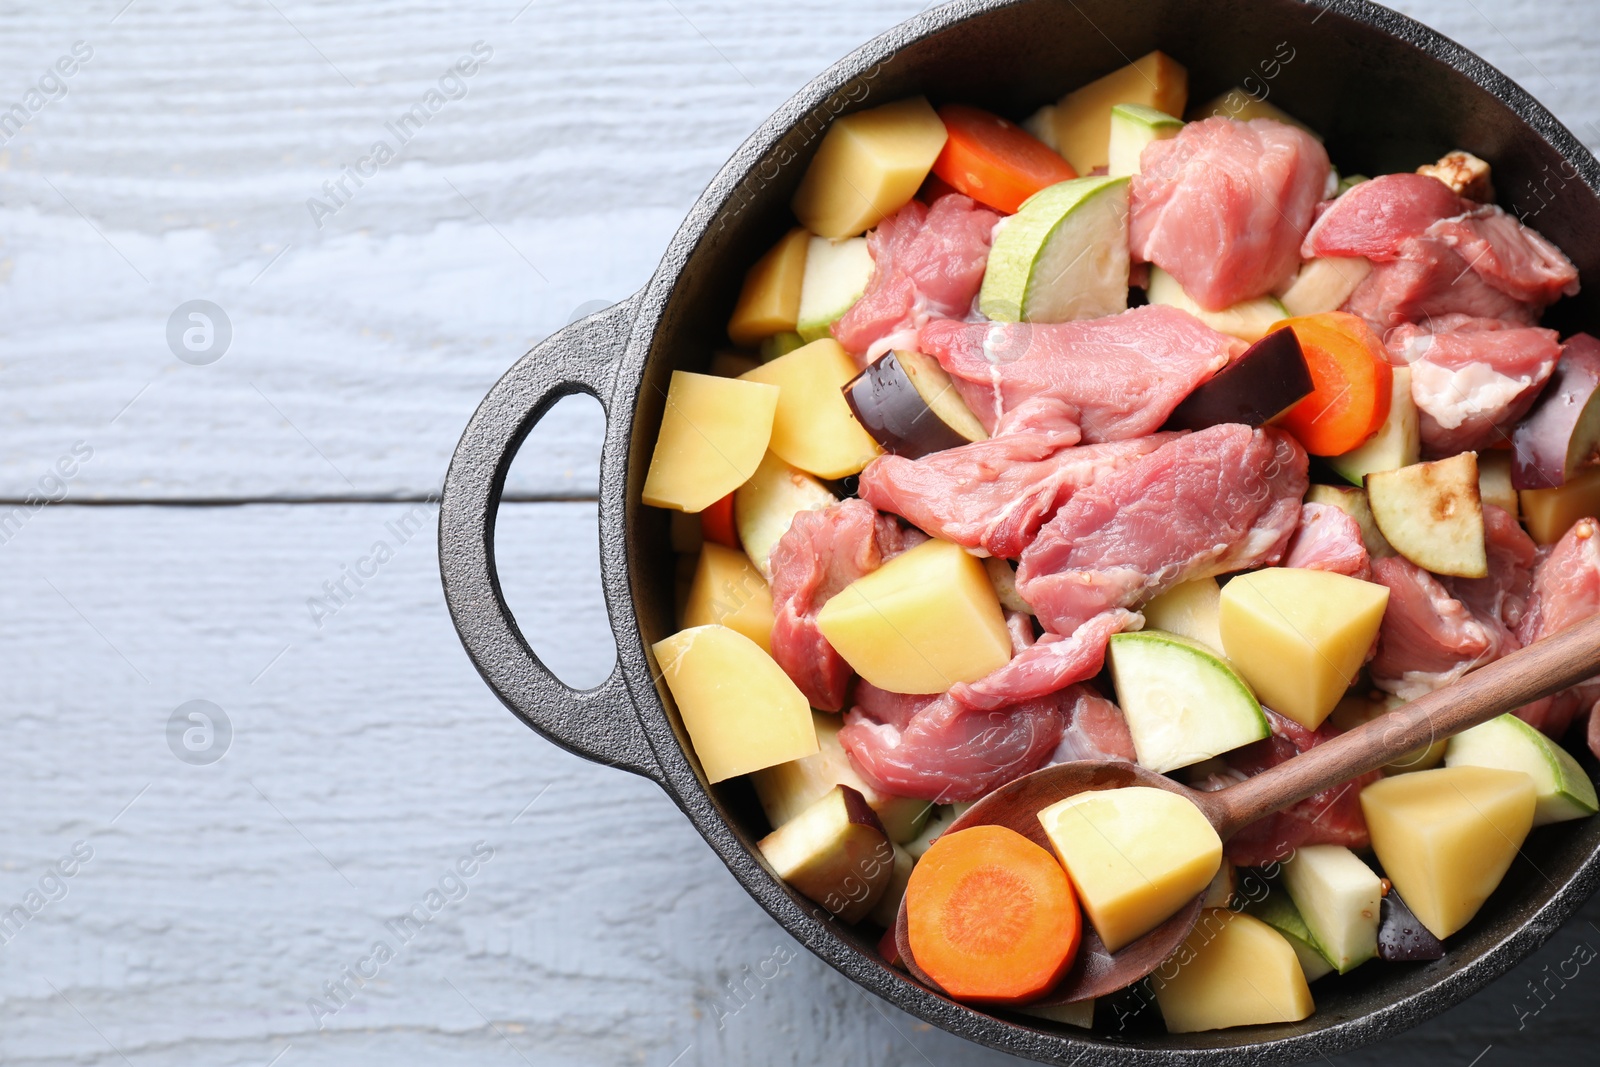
[(368, 758)]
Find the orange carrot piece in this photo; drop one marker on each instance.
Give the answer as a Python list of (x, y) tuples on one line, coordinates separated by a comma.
[(994, 161), (1353, 381), (716, 523), (991, 916)]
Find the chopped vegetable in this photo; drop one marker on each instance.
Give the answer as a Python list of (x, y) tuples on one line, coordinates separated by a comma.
[(1183, 702), (716, 523), (1233, 970), (1191, 609), (1062, 256), (1324, 285), (994, 161), (870, 163), (991, 916), (1447, 836), (1136, 856), (1353, 379), (908, 404), (1560, 437), (1300, 636), (812, 427), (1254, 388), (1249, 321), (836, 274), (769, 303), (1398, 442), (1430, 513), (714, 432), (1337, 896), (1563, 788), (764, 506), (1278, 911), (735, 729), (1353, 502), (835, 852), (1401, 936), (729, 592), (1133, 126), (1082, 118), (922, 622), (1550, 513)]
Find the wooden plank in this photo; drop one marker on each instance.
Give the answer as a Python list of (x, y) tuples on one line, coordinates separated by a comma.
[(364, 763), (179, 164)]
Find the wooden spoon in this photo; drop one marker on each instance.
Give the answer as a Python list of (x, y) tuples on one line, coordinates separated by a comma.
[(1543, 668)]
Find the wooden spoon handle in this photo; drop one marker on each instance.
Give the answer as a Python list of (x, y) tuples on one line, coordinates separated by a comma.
[(1543, 668)]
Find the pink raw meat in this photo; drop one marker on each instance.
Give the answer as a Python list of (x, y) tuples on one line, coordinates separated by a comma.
[(1106, 379), (994, 495), (1566, 590), (1331, 817), (1473, 378), (1096, 730), (1223, 499), (979, 736), (1428, 638), (1435, 253), (1328, 540), (1224, 206), (1500, 600), (822, 552), (928, 263)]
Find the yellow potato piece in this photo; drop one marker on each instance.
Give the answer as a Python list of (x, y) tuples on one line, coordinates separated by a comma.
[(714, 432), (922, 622), (727, 590), (869, 164), (813, 427), (769, 303), (1135, 856), (1550, 513), (1447, 836), (1244, 106), (741, 711), (1233, 970), (1083, 117), (1300, 636)]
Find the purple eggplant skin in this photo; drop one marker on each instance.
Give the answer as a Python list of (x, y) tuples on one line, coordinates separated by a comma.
[(888, 406), (1401, 938), (1266, 380), (1561, 433)]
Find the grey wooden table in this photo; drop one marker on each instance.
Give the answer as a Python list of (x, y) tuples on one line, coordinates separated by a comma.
[(208, 513)]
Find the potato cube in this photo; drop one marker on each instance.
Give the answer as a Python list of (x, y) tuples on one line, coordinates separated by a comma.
[(1447, 836), (869, 165), (922, 622), (728, 591), (1233, 970), (714, 432), (1136, 856), (769, 303), (1300, 636), (813, 427), (741, 711), (1083, 117), (1550, 513)]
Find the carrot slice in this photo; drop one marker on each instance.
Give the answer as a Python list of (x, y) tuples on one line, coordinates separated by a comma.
[(1353, 383), (716, 523), (991, 916), (996, 162)]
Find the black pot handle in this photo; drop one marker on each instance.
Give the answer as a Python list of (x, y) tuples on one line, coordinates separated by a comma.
[(599, 724)]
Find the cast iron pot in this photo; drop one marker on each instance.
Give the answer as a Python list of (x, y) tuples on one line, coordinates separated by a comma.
[(1386, 92)]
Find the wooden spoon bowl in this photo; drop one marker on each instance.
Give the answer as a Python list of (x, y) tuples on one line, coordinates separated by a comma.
[(1520, 678)]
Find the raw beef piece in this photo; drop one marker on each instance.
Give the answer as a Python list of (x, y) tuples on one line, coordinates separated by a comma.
[(994, 495), (1106, 379), (1428, 638), (1223, 499), (822, 552), (979, 736), (1328, 540), (1566, 590), (1472, 378), (1501, 600), (1224, 206), (946, 752), (1096, 730), (928, 263), (1331, 817), (1051, 663), (1435, 253)]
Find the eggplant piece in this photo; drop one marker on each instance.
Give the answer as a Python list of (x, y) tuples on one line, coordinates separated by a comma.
[(1401, 936), (1268, 379), (910, 406), (1561, 434), (835, 852)]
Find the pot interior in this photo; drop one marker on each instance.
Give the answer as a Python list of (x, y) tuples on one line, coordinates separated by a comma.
[(1368, 83)]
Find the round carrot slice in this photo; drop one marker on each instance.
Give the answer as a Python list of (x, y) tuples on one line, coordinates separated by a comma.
[(1353, 383), (991, 916), (994, 161)]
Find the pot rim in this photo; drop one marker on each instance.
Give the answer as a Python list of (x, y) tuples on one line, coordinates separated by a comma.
[(810, 924)]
